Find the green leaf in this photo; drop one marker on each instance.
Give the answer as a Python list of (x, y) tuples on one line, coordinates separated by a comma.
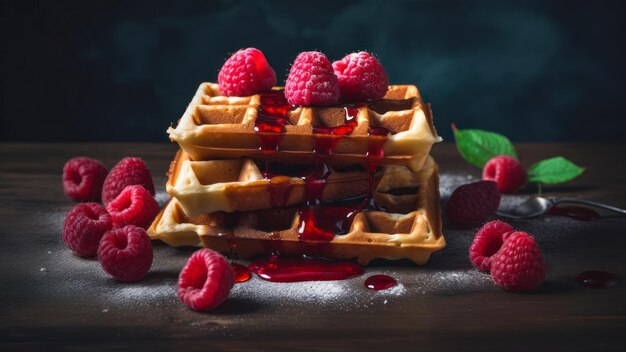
[(554, 170), (478, 146)]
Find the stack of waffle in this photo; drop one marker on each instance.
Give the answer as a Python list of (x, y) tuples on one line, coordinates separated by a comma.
[(256, 176)]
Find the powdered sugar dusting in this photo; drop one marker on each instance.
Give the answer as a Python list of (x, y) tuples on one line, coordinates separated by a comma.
[(61, 274)]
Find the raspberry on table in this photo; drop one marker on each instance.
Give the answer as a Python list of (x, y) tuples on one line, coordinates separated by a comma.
[(205, 281), (361, 77), (83, 178), (471, 204), (134, 206), (507, 172), (311, 81), (487, 242), (519, 265), (126, 253), (129, 171), (83, 227), (245, 73)]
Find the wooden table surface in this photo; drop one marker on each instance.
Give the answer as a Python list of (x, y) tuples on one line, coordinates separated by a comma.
[(51, 299)]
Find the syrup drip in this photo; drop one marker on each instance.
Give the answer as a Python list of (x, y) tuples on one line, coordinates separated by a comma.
[(597, 279), (574, 212), (279, 269), (279, 193), (318, 221), (242, 273), (323, 221), (272, 117), (380, 282)]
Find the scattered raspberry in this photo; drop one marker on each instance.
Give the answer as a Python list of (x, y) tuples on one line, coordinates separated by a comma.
[(126, 253), (205, 281), (473, 203), (487, 242), (134, 206), (83, 178), (311, 80), (361, 77), (507, 172), (83, 227), (129, 171), (246, 73), (519, 264)]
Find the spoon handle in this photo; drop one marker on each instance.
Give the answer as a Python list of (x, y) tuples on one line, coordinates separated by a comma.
[(591, 203)]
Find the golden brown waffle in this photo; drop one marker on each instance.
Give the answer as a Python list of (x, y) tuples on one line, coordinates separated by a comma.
[(239, 185), (215, 126), (412, 231)]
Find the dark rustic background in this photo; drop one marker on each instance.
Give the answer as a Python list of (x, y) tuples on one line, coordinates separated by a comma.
[(123, 71)]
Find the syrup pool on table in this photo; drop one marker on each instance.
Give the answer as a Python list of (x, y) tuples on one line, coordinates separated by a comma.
[(597, 279), (380, 282)]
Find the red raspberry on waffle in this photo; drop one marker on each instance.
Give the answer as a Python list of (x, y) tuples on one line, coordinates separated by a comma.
[(361, 77), (311, 81), (245, 73)]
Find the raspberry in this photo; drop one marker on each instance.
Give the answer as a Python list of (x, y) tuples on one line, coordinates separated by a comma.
[(83, 178), (246, 73), (126, 253), (519, 264), (205, 281), (83, 227), (311, 80), (134, 206), (487, 242), (129, 171), (472, 204), (507, 172), (361, 77)]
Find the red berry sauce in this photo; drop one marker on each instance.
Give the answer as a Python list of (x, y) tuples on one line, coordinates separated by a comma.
[(242, 273), (574, 212), (380, 282), (279, 269), (597, 279), (319, 221)]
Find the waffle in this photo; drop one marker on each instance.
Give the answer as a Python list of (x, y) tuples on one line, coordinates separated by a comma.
[(239, 185), (215, 126), (413, 231)]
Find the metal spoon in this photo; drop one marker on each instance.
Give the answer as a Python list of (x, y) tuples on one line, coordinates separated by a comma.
[(536, 205)]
